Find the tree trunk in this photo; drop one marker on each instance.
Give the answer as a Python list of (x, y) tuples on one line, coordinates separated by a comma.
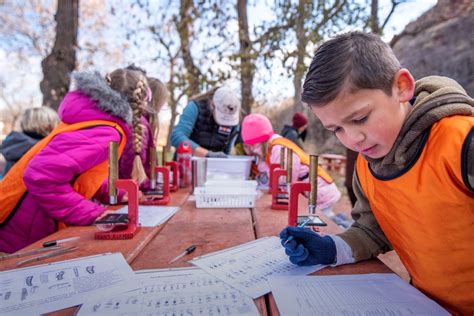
[(300, 68), (246, 65), (173, 99), (374, 19), (192, 72), (58, 65)]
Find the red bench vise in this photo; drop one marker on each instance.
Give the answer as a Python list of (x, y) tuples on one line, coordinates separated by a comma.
[(173, 170), (114, 225), (159, 194), (298, 188), (279, 193)]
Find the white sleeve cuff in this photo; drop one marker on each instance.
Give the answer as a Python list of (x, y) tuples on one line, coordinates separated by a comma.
[(343, 252)]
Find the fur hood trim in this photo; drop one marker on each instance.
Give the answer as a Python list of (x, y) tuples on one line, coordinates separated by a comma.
[(108, 100)]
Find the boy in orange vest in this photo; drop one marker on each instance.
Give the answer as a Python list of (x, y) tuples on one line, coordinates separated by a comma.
[(414, 181)]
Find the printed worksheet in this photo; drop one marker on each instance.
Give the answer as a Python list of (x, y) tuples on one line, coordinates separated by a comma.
[(151, 216), (53, 286), (247, 267), (181, 291), (362, 294)]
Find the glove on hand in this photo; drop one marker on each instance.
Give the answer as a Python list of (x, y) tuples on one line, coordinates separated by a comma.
[(308, 248), (216, 154)]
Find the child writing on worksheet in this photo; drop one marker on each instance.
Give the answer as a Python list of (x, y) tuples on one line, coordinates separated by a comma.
[(414, 177)]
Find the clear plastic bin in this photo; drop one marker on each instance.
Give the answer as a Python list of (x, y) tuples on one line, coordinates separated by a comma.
[(225, 197), (233, 167), (250, 184)]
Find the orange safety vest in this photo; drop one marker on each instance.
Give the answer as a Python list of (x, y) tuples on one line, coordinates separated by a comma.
[(427, 213), (304, 157), (12, 187)]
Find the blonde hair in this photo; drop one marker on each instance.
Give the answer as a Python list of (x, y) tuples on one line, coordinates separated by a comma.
[(133, 85), (40, 120), (159, 93), (159, 96)]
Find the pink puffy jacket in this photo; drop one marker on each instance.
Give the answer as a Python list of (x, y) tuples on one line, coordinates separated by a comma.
[(49, 175)]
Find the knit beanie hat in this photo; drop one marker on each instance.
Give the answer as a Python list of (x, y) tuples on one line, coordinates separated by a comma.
[(256, 128), (299, 119)]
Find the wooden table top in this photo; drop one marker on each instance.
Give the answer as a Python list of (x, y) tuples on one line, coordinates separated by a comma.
[(209, 229), (89, 246)]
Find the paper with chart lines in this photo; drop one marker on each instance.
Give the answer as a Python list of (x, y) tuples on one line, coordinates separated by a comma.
[(247, 267), (364, 294), (54, 286), (151, 216), (182, 291)]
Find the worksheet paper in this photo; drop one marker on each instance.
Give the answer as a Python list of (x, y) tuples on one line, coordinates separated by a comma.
[(53, 286), (151, 216), (247, 267), (362, 294), (181, 291)]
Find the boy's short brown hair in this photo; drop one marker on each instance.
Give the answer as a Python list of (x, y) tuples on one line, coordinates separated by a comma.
[(353, 61)]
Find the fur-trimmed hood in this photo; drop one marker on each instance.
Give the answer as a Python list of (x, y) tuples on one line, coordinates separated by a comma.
[(108, 100)]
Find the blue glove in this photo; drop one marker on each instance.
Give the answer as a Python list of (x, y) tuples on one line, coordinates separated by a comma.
[(308, 248), (216, 154)]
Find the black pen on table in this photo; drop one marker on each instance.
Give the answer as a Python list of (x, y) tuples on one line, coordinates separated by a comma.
[(301, 225), (51, 243), (185, 252)]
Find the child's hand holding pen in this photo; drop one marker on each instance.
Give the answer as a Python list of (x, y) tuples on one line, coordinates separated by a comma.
[(290, 238), (305, 247)]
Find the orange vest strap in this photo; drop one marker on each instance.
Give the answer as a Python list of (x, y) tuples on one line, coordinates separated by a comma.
[(427, 214), (12, 187), (304, 157)]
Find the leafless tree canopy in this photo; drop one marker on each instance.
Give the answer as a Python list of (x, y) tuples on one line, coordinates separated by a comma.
[(191, 45)]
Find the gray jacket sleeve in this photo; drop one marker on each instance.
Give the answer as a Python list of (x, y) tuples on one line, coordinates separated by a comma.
[(365, 237)]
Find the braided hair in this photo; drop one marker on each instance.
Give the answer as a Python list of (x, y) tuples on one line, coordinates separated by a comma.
[(133, 85)]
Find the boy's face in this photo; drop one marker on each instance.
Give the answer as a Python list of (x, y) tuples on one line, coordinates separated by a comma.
[(367, 121)]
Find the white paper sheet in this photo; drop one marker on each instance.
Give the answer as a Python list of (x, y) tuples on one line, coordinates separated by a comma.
[(53, 286), (182, 291), (362, 294), (247, 267), (151, 216)]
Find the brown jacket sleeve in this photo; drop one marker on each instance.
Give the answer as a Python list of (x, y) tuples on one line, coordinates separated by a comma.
[(365, 237)]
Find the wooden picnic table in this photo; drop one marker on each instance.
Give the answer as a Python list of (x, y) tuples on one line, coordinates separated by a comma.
[(207, 228), (89, 246), (333, 162)]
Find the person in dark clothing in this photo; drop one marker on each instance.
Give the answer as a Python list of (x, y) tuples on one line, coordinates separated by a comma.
[(350, 164), (36, 123), (297, 132), (210, 122)]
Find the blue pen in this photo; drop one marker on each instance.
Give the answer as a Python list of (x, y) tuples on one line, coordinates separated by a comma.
[(301, 225)]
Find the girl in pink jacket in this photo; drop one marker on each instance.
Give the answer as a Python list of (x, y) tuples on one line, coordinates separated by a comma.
[(49, 175), (258, 134)]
